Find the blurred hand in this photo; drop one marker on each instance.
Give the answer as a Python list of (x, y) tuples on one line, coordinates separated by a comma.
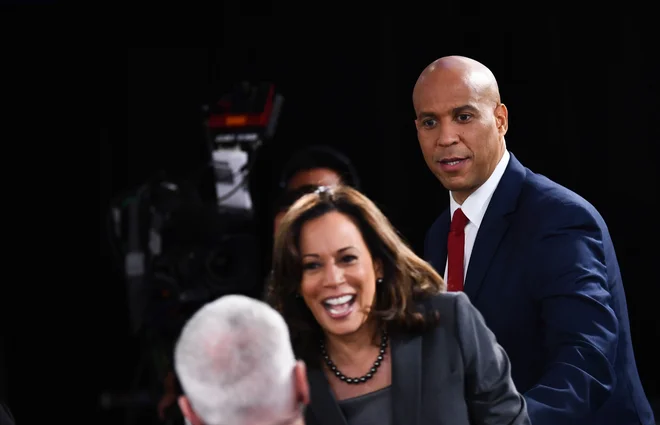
[(169, 397)]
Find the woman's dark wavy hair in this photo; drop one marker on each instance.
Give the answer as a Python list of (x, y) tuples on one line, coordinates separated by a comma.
[(407, 279)]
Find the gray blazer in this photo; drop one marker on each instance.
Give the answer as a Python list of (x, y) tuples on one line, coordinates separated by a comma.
[(456, 374)]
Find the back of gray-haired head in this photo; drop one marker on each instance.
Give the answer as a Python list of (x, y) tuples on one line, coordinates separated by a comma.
[(235, 363)]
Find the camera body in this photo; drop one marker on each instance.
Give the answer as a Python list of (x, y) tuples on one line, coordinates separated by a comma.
[(178, 252), (236, 126)]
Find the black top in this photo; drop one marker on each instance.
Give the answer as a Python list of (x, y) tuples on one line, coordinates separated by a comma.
[(373, 408)]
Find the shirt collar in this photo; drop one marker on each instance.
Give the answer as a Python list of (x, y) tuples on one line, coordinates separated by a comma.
[(476, 204)]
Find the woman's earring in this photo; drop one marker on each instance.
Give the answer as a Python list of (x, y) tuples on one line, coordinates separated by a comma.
[(379, 281)]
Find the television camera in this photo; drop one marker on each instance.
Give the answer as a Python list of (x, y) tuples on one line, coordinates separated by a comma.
[(178, 252)]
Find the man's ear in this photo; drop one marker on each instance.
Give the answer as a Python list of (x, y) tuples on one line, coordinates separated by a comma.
[(502, 118), (188, 412), (302, 385)]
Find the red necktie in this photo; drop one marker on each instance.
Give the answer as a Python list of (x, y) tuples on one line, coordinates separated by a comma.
[(456, 251)]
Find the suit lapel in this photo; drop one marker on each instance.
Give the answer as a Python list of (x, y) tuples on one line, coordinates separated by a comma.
[(485, 246), (494, 226), (324, 406), (438, 259), (406, 380)]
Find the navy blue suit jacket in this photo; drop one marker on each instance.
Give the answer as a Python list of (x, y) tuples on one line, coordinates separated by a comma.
[(544, 274), (5, 415)]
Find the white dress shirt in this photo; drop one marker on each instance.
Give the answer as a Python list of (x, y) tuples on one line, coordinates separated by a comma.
[(475, 207)]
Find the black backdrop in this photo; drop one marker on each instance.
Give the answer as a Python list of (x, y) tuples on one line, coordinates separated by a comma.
[(582, 105)]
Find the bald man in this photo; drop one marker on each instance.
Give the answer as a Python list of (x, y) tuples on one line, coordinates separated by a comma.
[(535, 258)]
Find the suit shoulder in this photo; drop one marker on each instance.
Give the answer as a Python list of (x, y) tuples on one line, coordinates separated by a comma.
[(543, 197), (445, 300), (455, 311), (449, 304)]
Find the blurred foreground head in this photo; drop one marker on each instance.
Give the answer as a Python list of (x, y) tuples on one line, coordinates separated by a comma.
[(236, 366)]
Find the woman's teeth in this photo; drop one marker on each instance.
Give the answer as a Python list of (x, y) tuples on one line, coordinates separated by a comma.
[(339, 305), (339, 300)]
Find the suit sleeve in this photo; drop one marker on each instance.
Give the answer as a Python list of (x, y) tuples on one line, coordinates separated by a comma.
[(579, 326), (5, 416), (491, 396)]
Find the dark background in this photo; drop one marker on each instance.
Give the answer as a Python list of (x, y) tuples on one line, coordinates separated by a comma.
[(582, 105)]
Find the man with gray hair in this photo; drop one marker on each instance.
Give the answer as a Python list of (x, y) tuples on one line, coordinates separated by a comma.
[(236, 366)]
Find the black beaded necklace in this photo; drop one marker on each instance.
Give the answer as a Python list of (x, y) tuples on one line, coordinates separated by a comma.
[(362, 379)]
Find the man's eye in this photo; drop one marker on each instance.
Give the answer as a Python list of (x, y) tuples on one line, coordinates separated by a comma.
[(464, 117), (429, 122)]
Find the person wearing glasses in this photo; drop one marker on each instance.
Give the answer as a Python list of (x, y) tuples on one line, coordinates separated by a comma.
[(236, 366), (309, 168)]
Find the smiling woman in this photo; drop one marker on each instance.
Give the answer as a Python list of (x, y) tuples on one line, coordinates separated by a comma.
[(332, 252), (359, 303)]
